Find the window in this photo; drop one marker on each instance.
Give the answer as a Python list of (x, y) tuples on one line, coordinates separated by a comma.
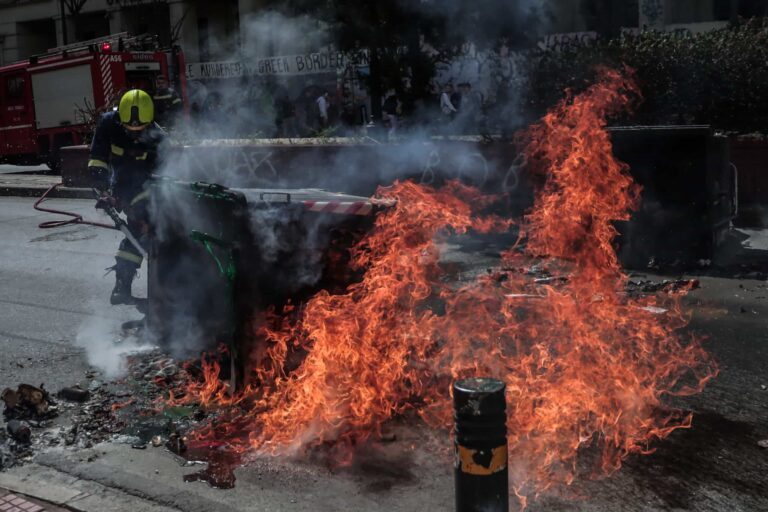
[(14, 88)]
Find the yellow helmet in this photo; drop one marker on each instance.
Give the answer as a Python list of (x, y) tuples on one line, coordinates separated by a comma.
[(136, 109)]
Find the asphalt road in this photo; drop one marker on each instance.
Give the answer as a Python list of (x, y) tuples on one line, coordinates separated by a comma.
[(52, 284), (53, 289)]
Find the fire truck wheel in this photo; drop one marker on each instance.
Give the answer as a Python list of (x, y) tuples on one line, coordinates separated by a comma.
[(54, 163)]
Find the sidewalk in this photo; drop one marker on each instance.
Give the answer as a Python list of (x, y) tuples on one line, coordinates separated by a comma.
[(11, 502), (28, 184), (55, 491)]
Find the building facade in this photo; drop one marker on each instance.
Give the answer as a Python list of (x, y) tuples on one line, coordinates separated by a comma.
[(215, 31), (205, 30)]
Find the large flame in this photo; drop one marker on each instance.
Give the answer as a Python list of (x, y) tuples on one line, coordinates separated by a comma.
[(586, 366)]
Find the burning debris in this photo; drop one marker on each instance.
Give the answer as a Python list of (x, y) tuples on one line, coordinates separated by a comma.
[(665, 285), (586, 365), (585, 362)]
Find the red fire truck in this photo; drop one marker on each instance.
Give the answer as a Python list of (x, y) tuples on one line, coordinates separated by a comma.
[(45, 101)]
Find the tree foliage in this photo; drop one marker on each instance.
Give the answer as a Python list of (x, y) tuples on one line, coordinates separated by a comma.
[(718, 77)]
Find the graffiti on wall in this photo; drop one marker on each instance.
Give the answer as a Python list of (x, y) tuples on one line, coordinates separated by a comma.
[(490, 71), (651, 12)]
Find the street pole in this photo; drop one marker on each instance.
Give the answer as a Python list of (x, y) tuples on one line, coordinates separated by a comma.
[(63, 23)]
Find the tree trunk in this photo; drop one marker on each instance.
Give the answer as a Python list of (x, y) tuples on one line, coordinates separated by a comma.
[(375, 84)]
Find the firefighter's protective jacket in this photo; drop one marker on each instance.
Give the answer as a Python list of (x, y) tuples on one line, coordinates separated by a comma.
[(167, 105), (132, 160)]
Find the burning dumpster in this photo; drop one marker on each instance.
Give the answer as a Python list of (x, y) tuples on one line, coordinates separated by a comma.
[(199, 231), (221, 255), (688, 193)]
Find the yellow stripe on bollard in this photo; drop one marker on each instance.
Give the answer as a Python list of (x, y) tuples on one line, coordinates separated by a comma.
[(468, 462)]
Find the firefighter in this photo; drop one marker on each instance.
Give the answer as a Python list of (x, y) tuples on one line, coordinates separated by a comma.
[(167, 103), (127, 142)]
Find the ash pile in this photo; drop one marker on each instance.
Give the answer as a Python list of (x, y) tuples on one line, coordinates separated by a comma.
[(26, 407), (129, 411)]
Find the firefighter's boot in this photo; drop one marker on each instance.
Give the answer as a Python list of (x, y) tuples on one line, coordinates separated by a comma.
[(121, 293)]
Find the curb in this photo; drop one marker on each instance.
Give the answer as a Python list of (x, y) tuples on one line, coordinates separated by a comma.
[(57, 193), (66, 491)]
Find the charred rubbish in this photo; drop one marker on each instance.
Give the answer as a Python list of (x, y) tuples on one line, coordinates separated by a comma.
[(74, 394), (19, 431), (28, 403)]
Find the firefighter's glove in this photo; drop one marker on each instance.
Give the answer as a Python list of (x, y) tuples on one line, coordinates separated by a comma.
[(99, 177), (105, 202)]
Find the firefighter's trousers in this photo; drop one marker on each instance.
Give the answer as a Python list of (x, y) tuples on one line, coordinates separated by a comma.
[(137, 212)]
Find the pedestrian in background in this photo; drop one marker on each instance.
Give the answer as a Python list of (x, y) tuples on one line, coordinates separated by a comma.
[(391, 109), (167, 103), (447, 107), (471, 109), (323, 102)]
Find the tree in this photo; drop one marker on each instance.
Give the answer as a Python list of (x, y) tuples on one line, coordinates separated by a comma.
[(74, 6)]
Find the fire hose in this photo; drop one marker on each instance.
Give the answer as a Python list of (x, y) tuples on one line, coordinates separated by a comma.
[(119, 223), (76, 218)]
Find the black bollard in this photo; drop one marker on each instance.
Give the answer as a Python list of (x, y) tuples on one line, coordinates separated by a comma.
[(481, 445)]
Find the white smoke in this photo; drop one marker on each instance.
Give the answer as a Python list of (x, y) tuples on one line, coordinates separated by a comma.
[(270, 33), (105, 343)]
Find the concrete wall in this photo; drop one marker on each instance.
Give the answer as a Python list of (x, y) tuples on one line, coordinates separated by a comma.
[(685, 208)]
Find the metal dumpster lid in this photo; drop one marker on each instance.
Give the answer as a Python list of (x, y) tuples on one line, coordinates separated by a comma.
[(314, 200)]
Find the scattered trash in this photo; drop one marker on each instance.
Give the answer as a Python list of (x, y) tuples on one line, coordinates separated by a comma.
[(176, 443), (94, 385), (177, 412), (763, 443), (763, 387), (666, 285), (157, 441), (19, 431), (652, 309), (28, 402), (125, 439), (74, 394), (551, 279)]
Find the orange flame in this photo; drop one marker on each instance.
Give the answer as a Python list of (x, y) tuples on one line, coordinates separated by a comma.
[(121, 405), (585, 365)]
